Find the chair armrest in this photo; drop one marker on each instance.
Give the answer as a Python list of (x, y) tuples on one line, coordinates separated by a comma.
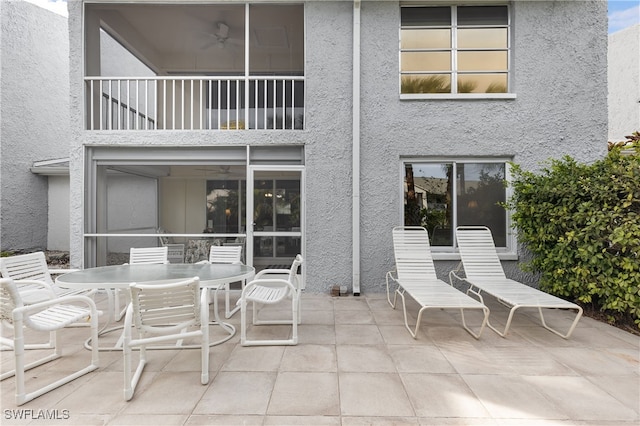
[(272, 271), (40, 286), (35, 307), (202, 262)]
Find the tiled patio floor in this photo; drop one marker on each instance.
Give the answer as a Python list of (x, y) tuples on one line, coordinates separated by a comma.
[(356, 364)]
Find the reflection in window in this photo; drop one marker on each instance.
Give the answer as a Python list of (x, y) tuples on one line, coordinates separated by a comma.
[(441, 196), (454, 49)]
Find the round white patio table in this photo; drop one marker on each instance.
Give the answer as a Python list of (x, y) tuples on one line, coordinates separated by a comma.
[(212, 276)]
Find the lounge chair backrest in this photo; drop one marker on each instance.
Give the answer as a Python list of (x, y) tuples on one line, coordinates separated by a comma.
[(478, 253), (413, 254)]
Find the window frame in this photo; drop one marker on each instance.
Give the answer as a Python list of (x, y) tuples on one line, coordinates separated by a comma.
[(510, 94), (510, 251)]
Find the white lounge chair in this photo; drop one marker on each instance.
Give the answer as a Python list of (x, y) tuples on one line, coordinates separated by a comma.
[(415, 275), (484, 274), (51, 316), (272, 286), (161, 312)]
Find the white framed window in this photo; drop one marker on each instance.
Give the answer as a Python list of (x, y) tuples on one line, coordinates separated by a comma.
[(442, 194), (455, 51)]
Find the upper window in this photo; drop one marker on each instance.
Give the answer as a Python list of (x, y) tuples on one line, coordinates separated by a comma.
[(442, 195), (454, 50)]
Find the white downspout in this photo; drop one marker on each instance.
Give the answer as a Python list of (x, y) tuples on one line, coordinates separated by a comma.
[(356, 150)]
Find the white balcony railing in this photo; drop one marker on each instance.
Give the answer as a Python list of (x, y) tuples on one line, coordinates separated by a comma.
[(194, 103)]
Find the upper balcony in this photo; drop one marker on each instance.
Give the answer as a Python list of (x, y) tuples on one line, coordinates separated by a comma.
[(231, 66)]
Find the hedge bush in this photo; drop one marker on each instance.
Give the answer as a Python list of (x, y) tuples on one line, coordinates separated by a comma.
[(582, 225)]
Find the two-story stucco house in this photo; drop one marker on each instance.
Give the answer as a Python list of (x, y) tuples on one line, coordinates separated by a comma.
[(314, 127)]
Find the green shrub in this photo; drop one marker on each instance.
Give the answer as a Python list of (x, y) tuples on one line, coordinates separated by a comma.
[(582, 225)]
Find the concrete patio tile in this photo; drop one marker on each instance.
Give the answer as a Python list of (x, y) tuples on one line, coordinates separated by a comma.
[(513, 397), (373, 394), (388, 316), (581, 399), (315, 317), (457, 421), (317, 334), (310, 358), (223, 420), (597, 362), (419, 359), (527, 360), (366, 334), (86, 401), (467, 359), (257, 358), (237, 393), (625, 389), (354, 317), (168, 393), (311, 301), (399, 335), (147, 419), (301, 420), (305, 394), (364, 358), (350, 303), (378, 421), (442, 395)]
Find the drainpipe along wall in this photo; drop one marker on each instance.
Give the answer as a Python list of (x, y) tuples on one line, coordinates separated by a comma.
[(356, 149)]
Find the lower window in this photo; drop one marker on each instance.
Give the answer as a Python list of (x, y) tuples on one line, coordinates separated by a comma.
[(443, 195)]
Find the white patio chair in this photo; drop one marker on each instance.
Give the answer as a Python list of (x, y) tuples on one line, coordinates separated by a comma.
[(139, 256), (224, 254), (49, 316), (272, 286), (162, 312), (33, 278), (484, 274), (415, 275)]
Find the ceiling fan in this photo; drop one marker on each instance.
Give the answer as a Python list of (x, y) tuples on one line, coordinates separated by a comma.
[(221, 36)]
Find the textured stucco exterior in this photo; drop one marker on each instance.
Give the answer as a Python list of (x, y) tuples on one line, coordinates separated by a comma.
[(34, 88), (624, 83), (559, 75)]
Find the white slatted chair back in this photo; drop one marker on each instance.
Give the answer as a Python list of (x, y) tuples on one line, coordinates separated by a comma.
[(148, 255), (225, 254), (166, 308), (32, 276), (478, 253), (413, 254), (32, 266)]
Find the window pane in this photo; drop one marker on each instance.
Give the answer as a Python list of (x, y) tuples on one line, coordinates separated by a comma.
[(425, 61), (434, 83), (426, 39), (428, 200), (480, 190), (482, 83), (482, 61), (482, 15), (425, 16), (482, 37)]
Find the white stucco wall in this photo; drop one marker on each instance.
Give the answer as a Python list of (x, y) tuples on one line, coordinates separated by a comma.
[(34, 88), (624, 83), (559, 71), (58, 216)]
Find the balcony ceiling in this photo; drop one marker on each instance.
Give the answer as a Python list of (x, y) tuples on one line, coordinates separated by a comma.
[(173, 38)]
